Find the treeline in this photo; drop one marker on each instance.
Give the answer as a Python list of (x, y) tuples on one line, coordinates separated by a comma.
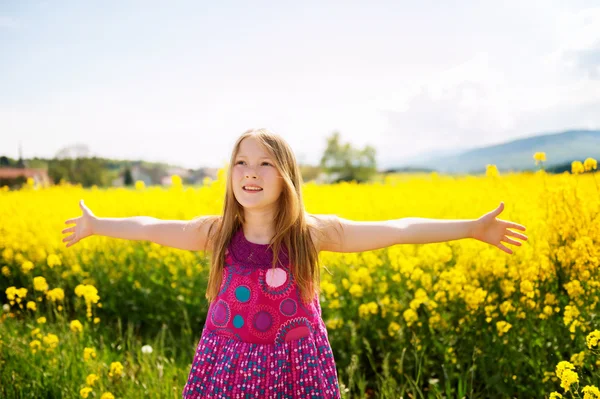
[(339, 162)]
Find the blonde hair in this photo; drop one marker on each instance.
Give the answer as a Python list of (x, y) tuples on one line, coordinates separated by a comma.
[(291, 225)]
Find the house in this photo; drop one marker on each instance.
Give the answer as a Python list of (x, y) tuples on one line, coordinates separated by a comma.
[(39, 175)]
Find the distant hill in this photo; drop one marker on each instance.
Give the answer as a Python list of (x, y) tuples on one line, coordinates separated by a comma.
[(517, 155)]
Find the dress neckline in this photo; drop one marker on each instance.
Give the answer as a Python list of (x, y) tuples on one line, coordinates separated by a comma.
[(253, 254)]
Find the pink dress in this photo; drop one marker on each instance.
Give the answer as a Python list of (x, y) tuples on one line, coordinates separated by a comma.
[(260, 340)]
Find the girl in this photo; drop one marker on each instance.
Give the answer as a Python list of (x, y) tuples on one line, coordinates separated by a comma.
[(264, 336)]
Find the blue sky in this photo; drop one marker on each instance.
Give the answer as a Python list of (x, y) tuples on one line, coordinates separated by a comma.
[(179, 81)]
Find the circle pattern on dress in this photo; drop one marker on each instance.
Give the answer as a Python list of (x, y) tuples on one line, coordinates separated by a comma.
[(263, 321), (242, 293), (294, 329), (265, 277), (220, 314), (288, 307), (238, 321), (275, 277)]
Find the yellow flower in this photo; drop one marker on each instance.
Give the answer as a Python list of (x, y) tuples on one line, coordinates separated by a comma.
[(590, 163), (176, 180), (11, 293), (555, 395), (76, 326), (5, 271), (41, 320), (116, 368), (84, 392), (503, 327), (57, 294), (53, 260), (410, 316), (335, 323), (578, 358), (26, 266), (491, 170), (107, 395), (89, 353), (96, 320), (592, 339), (40, 284), (356, 290), (367, 309), (577, 167), (140, 185), (569, 377), (51, 341), (590, 392), (36, 333), (91, 379), (393, 329), (539, 156), (32, 305), (562, 366), (35, 345), (335, 304)]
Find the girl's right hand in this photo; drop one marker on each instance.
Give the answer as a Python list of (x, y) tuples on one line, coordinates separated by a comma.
[(83, 226)]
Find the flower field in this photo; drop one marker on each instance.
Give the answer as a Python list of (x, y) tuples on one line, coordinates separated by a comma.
[(111, 318)]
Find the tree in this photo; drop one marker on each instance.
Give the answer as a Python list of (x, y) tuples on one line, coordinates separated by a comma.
[(347, 163), (127, 177)]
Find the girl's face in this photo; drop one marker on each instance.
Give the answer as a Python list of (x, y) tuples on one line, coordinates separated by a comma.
[(256, 181)]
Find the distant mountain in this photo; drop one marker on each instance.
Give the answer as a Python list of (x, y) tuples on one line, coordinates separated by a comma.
[(516, 155)]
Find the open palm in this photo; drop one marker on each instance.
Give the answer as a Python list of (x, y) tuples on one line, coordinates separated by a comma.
[(82, 228), (490, 230)]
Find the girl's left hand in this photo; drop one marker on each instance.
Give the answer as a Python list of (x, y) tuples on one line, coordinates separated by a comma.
[(490, 230)]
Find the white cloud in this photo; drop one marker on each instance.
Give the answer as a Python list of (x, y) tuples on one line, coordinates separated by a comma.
[(579, 48)]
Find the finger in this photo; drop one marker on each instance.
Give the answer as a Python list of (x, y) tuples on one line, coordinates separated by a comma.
[(69, 229), (516, 235), (70, 221), (71, 243), (69, 238), (511, 241), (507, 250), (517, 226)]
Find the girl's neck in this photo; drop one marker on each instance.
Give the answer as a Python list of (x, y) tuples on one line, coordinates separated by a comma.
[(257, 229), (260, 234)]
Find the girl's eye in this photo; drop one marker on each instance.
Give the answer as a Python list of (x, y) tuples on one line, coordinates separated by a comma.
[(264, 163)]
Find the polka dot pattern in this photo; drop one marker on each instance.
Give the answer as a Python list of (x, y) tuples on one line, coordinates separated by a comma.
[(260, 339)]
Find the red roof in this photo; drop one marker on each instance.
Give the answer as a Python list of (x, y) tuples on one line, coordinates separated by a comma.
[(12, 173)]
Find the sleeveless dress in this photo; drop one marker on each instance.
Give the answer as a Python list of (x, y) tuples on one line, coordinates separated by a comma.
[(260, 340)]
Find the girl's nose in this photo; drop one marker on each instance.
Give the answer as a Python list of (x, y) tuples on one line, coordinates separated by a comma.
[(250, 173)]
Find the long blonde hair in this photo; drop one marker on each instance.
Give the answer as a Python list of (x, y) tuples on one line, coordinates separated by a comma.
[(291, 225)]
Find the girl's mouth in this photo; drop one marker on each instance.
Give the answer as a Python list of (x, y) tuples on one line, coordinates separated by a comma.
[(252, 189)]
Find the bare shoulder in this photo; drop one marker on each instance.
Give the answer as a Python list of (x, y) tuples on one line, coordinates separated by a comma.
[(326, 232), (204, 226)]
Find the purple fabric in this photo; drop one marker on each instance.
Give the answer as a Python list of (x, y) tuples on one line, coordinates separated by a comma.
[(260, 339)]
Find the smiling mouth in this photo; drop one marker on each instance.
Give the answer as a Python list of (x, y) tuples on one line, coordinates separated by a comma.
[(252, 189)]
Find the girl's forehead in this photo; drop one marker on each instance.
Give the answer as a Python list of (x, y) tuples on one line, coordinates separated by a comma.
[(250, 147)]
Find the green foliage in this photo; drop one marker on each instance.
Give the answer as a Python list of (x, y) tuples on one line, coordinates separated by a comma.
[(346, 162)]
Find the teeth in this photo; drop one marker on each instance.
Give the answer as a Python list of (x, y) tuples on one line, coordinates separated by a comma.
[(253, 188)]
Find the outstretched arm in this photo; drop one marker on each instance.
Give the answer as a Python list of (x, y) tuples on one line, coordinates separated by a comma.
[(342, 235)]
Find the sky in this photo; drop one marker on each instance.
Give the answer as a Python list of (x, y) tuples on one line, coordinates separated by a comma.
[(179, 81)]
